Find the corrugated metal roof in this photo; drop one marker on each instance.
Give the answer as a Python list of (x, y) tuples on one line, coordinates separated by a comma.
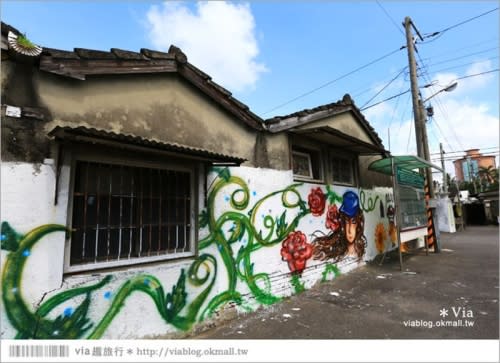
[(92, 135)]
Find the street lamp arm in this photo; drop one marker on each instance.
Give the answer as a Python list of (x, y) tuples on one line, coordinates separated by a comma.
[(448, 88)]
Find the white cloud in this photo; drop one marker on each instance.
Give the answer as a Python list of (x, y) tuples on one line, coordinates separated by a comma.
[(479, 81), (218, 37)]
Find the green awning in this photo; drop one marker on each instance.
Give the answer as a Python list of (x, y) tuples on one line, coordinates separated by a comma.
[(405, 162)]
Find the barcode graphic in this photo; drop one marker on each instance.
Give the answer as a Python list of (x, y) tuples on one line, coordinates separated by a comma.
[(26, 351)]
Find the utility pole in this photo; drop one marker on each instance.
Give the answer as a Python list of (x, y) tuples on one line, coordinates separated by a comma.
[(414, 85), (445, 181), (420, 128)]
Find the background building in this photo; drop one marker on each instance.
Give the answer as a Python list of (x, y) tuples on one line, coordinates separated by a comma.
[(468, 167)]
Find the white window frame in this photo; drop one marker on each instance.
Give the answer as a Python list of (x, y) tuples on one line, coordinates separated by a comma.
[(351, 162), (190, 167), (309, 164)]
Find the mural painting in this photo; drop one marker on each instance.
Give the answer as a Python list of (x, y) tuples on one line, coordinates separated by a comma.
[(346, 237), (230, 238)]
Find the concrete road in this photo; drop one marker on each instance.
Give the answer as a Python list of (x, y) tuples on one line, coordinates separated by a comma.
[(450, 295)]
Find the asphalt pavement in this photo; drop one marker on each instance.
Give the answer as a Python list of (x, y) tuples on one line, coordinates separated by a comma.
[(448, 295)]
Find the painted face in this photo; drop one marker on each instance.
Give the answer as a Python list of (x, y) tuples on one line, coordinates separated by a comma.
[(350, 229)]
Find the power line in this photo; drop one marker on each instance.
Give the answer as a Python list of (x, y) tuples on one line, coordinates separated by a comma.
[(461, 49), (405, 109), (479, 74), (335, 80), (425, 74), (402, 93), (394, 112), (409, 137), (383, 88), (387, 99), (434, 121), (462, 151), (461, 65), (390, 18), (441, 32), (458, 158), (465, 56)]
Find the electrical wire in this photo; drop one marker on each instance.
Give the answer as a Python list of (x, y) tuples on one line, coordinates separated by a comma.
[(385, 100), (405, 109), (464, 56), (479, 74), (463, 157), (461, 65), (394, 112), (383, 88), (462, 151), (409, 137), (404, 92), (335, 80), (390, 17), (461, 49), (440, 33)]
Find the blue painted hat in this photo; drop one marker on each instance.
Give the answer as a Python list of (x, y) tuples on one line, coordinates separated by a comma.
[(350, 204)]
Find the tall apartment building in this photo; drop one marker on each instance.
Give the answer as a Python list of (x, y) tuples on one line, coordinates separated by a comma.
[(468, 167)]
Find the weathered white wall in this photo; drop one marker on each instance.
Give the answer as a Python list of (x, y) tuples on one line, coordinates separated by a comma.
[(28, 202), (444, 215)]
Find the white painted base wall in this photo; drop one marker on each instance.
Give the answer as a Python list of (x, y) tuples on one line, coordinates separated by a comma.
[(27, 201)]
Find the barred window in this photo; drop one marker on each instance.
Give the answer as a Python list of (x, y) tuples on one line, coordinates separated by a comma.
[(342, 170), (123, 214)]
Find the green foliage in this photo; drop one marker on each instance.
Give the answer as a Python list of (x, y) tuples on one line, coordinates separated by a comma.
[(237, 232), (330, 269), (203, 219), (223, 173), (73, 326), (281, 225), (176, 299), (9, 238), (297, 284), (332, 197), (202, 271), (25, 42)]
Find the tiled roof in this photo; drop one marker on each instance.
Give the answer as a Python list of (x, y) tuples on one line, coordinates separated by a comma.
[(80, 63), (305, 116), (92, 135)]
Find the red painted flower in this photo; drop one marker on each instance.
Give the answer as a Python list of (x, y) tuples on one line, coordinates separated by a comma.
[(317, 201), (296, 251), (332, 218)]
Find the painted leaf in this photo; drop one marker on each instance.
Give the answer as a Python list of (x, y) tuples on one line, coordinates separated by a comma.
[(9, 238), (203, 218), (330, 269), (224, 174), (72, 326), (176, 299), (237, 232), (281, 225), (298, 285)]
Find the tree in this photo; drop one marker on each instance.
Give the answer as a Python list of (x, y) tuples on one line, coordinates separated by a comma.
[(490, 174), (488, 178)]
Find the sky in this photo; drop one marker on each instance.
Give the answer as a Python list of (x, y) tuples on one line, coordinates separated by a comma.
[(280, 57)]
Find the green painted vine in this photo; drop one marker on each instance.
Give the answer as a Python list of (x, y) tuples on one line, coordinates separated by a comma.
[(172, 306)]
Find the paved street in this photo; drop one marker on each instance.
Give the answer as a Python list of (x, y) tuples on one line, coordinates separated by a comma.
[(378, 302)]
